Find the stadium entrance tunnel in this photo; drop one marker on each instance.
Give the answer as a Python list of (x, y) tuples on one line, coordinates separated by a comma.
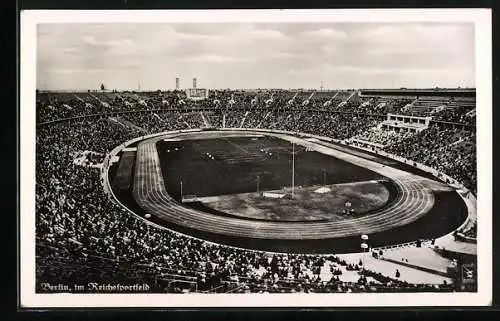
[(278, 191)]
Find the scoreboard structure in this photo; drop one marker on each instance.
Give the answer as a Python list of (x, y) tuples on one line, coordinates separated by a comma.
[(197, 93)]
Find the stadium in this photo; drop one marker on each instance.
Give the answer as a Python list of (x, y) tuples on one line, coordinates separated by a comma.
[(258, 191)]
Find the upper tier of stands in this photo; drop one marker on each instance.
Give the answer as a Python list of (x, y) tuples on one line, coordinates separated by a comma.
[(54, 106)]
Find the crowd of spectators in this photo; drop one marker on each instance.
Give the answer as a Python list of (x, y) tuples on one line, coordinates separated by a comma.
[(459, 114), (382, 105), (82, 235), (383, 137), (449, 150), (52, 106)]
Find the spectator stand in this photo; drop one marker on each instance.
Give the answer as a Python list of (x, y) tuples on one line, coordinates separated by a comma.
[(108, 251), (465, 194)]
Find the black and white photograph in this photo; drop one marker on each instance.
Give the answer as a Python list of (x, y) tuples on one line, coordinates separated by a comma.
[(255, 158)]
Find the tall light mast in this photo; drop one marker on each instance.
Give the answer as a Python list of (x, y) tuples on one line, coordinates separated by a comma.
[(293, 168), (181, 191)]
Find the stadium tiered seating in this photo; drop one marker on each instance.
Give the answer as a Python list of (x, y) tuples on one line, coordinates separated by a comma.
[(381, 138), (81, 234)]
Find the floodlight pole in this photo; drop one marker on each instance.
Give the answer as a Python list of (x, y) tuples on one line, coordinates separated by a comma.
[(258, 184), (293, 168), (181, 191)]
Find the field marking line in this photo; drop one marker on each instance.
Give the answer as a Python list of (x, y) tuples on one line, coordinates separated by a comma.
[(237, 146)]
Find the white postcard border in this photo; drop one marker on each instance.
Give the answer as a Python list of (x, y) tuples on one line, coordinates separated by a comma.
[(29, 20)]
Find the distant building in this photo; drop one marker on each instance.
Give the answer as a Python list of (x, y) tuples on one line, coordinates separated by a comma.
[(177, 83), (194, 83)]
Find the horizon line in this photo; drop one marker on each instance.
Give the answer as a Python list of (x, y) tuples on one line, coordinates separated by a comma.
[(251, 88)]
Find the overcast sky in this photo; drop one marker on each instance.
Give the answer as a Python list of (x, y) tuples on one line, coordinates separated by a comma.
[(284, 55)]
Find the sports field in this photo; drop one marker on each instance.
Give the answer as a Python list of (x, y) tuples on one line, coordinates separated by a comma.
[(419, 207), (234, 165), (313, 203)]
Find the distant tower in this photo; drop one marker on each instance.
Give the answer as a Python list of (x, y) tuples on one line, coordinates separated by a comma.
[(321, 88), (177, 83), (194, 82)]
